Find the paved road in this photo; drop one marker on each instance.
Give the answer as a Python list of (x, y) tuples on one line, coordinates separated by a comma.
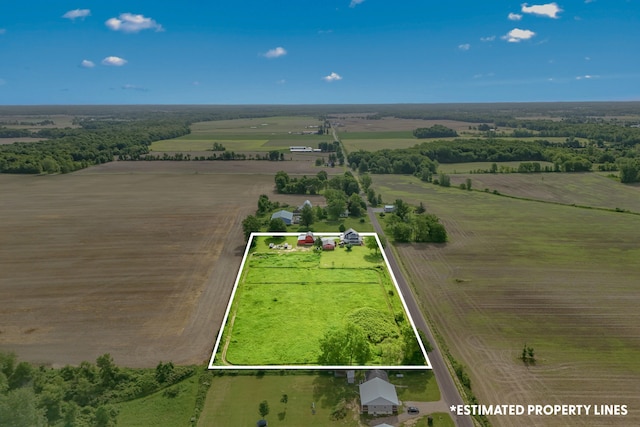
[(449, 392)]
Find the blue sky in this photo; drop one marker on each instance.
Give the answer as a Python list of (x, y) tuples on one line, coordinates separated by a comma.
[(310, 52)]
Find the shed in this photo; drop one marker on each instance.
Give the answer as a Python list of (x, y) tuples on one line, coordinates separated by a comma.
[(328, 243), (286, 216), (389, 208)]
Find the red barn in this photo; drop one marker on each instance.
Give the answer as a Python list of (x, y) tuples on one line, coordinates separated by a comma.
[(306, 239)]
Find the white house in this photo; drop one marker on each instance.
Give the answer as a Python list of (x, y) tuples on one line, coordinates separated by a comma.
[(351, 236), (378, 397)]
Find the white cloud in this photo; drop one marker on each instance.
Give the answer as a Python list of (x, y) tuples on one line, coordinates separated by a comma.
[(586, 77), (332, 77), (465, 46), (549, 10), (275, 53), (114, 61), (516, 35), (134, 87), (77, 13), (514, 17), (130, 23), (87, 64), (354, 3), (487, 39)]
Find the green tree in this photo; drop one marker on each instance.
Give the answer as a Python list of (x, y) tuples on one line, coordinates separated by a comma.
[(19, 408), (306, 216), (344, 346), (107, 369), (263, 408), (402, 209), (282, 180), (277, 224), (284, 399), (264, 204), (365, 180), (421, 209), (468, 184), (249, 225), (164, 372), (336, 203), (371, 243), (355, 205)]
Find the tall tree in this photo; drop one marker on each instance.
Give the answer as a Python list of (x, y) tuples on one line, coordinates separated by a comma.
[(263, 408), (249, 225), (306, 216)]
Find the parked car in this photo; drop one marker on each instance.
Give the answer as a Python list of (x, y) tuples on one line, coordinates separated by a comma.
[(413, 410)]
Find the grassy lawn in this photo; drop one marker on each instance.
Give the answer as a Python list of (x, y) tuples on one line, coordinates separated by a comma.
[(329, 288), (440, 419), (234, 401), (159, 409), (375, 144), (420, 386)]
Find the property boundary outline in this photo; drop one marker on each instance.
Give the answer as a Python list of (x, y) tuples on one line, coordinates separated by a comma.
[(428, 366)]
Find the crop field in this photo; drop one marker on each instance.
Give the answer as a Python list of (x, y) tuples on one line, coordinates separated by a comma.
[(267, 325), (349, 124), (562, 279), (243, 135), (135, 259), (470, 167)]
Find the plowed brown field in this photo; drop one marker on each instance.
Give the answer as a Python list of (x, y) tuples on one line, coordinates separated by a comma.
[(135, 259), (561, 279)]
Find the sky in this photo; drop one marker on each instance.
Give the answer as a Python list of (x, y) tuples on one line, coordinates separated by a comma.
[(317, 52)]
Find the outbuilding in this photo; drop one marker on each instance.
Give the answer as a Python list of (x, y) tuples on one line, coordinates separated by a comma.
[(378, 397), (306, 239), (286, 216)]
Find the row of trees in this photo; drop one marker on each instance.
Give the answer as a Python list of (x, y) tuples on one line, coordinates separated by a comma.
[(313, 185), (95, 142), (75, 396), (435, 131)]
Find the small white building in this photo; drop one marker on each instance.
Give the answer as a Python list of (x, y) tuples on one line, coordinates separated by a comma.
[(389, 208)]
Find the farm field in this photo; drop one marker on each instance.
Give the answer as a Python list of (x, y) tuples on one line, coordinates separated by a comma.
[(247, 135), (468, 168), (120, 259), (582, 189), (561, 279), (330, 288)]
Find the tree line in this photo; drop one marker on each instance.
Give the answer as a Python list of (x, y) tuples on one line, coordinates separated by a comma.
[(76, 395)]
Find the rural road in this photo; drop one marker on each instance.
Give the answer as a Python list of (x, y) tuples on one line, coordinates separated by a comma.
[(449, 392)]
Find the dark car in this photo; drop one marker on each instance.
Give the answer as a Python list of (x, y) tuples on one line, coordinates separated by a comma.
[(413, 410)]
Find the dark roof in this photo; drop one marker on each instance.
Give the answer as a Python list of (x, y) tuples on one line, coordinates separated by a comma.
[(377, 373)]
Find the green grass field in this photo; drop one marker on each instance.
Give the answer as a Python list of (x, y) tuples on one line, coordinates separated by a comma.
[(234, 400), (246, 135), (161, 409), (287, 300), (440, 419)]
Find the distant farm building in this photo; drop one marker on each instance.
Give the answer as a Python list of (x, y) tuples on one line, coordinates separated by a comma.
[(302, 149), (389, 208), (351, 236), (378, 397), (286, 216), (306, 239)]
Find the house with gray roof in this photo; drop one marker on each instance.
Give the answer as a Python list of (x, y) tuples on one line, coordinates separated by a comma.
[(286, 216), (378, 397)]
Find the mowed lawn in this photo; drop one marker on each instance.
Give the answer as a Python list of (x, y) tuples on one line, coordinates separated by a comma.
[(234, 401), (562, 279), (287, 301)]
